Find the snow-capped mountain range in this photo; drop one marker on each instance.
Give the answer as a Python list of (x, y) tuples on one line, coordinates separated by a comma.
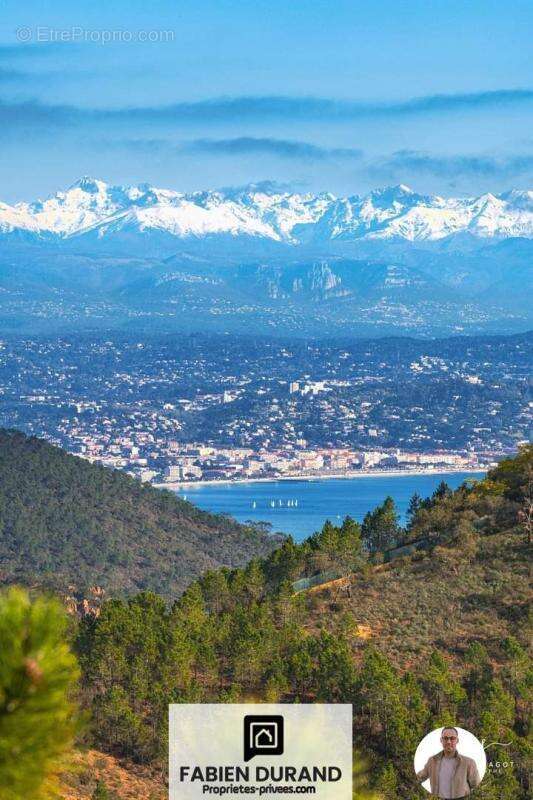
[(91, 210), (258, 260)]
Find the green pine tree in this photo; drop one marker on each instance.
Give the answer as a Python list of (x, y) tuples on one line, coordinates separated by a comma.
[(415, 503), (382, 705), (443, 490), (350, 545), (38, 675), (445, 694), (334, 675), (381, 529), (479, 676)]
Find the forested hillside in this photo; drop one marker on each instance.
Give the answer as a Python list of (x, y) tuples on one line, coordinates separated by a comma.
[(426, 625), (69, 525), (438, 635)]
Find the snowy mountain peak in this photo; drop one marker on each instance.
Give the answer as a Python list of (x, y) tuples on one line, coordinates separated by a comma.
[(393, 192), (89, 185), (91, 207)]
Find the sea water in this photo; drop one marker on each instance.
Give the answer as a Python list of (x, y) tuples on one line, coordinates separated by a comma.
[(300, 507)]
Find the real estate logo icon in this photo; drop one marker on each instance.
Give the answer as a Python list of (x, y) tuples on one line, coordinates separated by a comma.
[(263, 736)]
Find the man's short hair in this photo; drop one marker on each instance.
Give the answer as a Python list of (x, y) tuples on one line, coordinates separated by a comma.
[(450, 728)]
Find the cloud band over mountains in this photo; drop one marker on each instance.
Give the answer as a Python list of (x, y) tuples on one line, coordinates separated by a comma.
[(241, 109), (283, 148), (440, 166), (386, 167), (165, 131), (443, 166)]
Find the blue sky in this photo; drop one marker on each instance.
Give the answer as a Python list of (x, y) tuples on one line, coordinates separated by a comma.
[(314, 95)]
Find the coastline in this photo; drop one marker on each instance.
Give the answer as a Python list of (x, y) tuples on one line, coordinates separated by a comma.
[(175, 485)]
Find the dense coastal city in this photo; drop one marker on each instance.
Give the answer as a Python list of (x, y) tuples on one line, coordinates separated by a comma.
[(197, 462), (209, 464), (197, 408)]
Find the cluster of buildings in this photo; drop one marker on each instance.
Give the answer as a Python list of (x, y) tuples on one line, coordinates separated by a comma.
[(200, 463), (245, 464), (182, 463)]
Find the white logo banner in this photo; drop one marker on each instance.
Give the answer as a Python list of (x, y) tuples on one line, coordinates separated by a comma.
[(263, 750)]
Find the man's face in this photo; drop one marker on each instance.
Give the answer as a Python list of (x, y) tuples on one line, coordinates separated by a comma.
[(448, 739)]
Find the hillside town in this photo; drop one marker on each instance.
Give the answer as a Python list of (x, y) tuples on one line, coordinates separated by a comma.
[(199, 408)]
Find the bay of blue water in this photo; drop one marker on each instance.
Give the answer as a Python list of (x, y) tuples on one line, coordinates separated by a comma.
[(302, 507)]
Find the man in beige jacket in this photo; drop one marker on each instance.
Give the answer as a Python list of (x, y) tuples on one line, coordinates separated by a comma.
[(452, 776)]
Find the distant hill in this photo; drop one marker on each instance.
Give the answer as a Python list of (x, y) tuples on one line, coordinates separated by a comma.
[(69, 524)]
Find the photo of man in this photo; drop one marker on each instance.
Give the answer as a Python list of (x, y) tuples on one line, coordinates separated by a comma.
[(452, 775)]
